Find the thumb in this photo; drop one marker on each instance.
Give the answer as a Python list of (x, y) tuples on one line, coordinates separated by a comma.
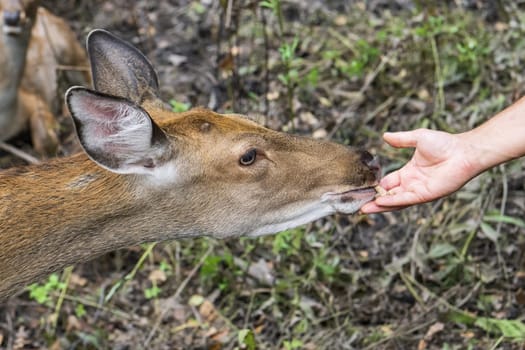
[(402, 139)]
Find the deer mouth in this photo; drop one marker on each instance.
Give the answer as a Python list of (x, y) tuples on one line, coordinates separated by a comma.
[(365, 193), (349, 201)]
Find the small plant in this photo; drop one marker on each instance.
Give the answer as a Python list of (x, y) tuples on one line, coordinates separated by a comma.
[(213, 266), (290, 77), (246, 339), (470, 53), (288, 242), (152, 292), (275, 6), (178, 107), (80, 310), (293, 344), (325, 265), (367, 54), (41, 292)]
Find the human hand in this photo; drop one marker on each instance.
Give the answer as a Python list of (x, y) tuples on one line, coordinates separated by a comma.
[(441, 164)]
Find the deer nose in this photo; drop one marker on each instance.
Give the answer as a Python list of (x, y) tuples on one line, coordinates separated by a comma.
[(12, 18), (371, 162)]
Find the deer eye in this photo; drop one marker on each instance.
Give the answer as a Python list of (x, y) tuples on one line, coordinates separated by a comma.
[(249, 157)]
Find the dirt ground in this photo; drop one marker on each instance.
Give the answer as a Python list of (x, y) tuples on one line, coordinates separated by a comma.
[(445, 275)]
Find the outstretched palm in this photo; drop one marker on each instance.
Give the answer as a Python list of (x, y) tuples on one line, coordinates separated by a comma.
[(438, 167)]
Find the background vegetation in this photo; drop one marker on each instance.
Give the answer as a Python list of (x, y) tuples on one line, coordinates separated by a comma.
[(447, 275)]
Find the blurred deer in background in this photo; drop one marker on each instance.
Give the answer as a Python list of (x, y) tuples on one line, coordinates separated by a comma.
[(34, 46), (149, 174)]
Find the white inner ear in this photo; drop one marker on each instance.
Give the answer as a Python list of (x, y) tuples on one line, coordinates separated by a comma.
[(128, 131), (116, 130)]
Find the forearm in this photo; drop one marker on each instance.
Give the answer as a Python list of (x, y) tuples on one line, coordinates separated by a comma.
[(500, 139)]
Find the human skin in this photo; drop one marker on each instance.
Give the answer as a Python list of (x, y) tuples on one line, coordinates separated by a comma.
[(443, 162)]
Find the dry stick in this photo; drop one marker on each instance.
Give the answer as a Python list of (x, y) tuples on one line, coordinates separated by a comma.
[(70, 68), (504, 197), (177, 294), (266, 62), (58, 306), (98, 306), (229, 8), (19, 153)]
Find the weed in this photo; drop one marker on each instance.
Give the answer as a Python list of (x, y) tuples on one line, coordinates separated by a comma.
[(41, 293), (356, 67), (275, 6), (152, 292), (246, 339), (290, 77), (288, 242), (80, 310), (178, 107), (213, 267), (293, 344)]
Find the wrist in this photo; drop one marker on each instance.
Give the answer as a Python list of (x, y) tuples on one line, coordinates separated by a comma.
[(484, 148)]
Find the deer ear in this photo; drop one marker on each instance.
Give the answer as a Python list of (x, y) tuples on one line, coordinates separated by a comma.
[(120, 69), (116, 133)]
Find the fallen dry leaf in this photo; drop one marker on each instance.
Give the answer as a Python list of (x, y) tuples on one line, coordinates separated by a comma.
[(157, 277), (434, 329), (207, 311)]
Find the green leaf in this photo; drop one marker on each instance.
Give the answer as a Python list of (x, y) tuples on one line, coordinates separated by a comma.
[(489, 232), (512, 329), (151, 293), (508, 328), (293, 344), (165, 267), (38, 293), (80, 310), (441, 250), (505, 219), (247, 338), (283, 79), (461, 318), (178, 107)]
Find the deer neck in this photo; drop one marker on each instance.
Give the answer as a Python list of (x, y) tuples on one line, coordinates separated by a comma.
[(67, 211)]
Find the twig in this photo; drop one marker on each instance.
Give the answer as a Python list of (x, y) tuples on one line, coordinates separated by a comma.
[(56, 313), (131, 275), (73, 68), (229, 8), (440, 105), (19, 153), (266, 62), (97, 306), (369, 79), (504, 197)]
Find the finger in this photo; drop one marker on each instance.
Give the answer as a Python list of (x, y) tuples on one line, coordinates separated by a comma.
[(402, 139), (397, 197), (391, 180), (372, 208)]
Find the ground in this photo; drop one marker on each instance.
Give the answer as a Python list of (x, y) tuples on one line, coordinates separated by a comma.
[(445, 275)]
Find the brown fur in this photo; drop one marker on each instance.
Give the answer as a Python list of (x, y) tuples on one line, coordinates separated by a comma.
[(71, 210)]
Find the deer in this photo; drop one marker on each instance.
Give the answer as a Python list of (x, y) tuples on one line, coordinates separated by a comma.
[(147, 174), (34, 46)]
